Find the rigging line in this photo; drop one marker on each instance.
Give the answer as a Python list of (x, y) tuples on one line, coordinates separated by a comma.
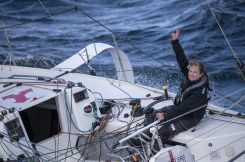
[(21, 148), (7, 136), (115, 131), (70, 119), (18, 146), (69, 127), (73, 148), (38, 19), (93, 138), (93, 145), (16, 134), (65, 34), (32, 143), (5, 61), (218, 126), (227, 123), (28, 142), (67, 111), (58, 152), (202, 106), (215, 115), (168, 121), (97, 54), (127, 41), (94, 151), (105, 143), (86, 142), (96, 140), (83, 40), (58, 25), (5, 107), (132, 117), (241, 73), (58, 124), (100, 137), (66, 156), (54, 147), (107, 138), (238, 61), (218, 83), (45, 17), (152, 44), (33, 83), (114, 134), (6, 148), (221, 112), (118, 88), (102, 149), (9, 45), (227, 97), (238, 101), (222, 118), (215, 60), (89, 153)]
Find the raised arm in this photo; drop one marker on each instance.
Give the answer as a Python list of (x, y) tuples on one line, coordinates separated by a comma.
[(179, 52)]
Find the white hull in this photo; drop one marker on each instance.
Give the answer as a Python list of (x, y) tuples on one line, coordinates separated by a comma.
[(216, 138)]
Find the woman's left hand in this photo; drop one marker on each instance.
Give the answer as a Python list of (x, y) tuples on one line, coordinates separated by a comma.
[(175, 35), (160, 116)]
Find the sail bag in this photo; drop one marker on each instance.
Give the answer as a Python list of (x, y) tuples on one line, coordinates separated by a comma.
[(173, 154)]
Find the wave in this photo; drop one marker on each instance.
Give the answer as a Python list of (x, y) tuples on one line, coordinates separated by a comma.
[(148, 23), (32, 61)]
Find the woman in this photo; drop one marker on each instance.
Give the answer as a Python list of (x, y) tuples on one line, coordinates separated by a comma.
[(192, 95)]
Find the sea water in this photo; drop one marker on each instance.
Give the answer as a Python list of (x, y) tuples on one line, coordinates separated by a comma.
[(146, 24)]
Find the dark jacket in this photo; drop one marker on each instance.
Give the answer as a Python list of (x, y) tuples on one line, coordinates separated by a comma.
[(192, 94)]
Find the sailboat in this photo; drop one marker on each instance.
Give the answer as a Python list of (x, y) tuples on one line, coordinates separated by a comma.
[(56, 115)]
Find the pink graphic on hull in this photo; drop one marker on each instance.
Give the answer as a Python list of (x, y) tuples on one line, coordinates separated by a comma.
[(19, 98)]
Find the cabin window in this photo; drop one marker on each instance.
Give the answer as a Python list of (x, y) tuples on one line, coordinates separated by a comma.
[(41, 121)]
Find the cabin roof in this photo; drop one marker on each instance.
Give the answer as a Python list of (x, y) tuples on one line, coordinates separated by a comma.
[(23, 96)]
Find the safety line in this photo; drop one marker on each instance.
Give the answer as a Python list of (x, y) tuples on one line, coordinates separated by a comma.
[(38, 19), (127, 41), (238, 61)]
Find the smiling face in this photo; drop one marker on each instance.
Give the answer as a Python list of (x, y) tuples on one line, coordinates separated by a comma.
[(194, 73)]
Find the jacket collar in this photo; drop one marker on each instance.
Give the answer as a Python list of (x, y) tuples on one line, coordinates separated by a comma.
[(198, 84)]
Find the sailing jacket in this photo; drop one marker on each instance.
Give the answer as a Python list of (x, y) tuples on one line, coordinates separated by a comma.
[(191, 95)]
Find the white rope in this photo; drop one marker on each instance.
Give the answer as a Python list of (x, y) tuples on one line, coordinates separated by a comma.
[(229, 95), (237, 102)]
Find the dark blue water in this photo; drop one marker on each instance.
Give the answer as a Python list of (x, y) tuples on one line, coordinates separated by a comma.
[(146, 24)]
